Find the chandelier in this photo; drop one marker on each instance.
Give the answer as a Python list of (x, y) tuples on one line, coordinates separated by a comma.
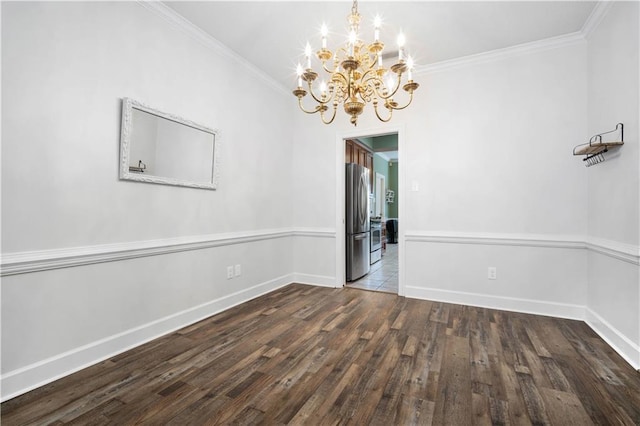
[(355, 75)]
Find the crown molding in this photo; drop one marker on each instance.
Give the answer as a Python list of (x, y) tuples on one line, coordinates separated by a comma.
[(597, 14), (190, 29), (493, 55), (187, 27)]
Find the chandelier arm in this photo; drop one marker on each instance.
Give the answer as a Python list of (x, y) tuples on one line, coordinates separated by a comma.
[(365, 77), (335, 107), (375, 108), (388, 95), (371, 61), (304, 110), (315, 98), (395, 89), (408, 103), (327, 70)]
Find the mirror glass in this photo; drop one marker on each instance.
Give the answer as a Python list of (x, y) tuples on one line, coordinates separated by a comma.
[(158, 147)]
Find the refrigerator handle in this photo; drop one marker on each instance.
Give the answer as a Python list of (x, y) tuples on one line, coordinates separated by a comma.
[(360, 236)]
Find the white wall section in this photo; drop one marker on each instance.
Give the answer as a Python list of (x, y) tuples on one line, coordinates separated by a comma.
[(614, 185), (65, 69)]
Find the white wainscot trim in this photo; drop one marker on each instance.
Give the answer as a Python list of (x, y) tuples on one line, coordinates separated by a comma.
[(35, 261), (314, 232), (311, 279), (626, 348), (317, 280), (622, 251), (43, 260), (42, 372), (537, 307), (32, 376), (526, 240)]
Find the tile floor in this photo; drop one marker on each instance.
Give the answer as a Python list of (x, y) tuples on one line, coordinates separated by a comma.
[(383, 275)]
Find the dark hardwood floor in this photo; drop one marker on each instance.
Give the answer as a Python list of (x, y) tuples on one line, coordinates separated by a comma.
[(315, 356)]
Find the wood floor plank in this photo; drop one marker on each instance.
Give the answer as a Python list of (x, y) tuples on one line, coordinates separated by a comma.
[(453, 404), (306, 355), (564, 408)]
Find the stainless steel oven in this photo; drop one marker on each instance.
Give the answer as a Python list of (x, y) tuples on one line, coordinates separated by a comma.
[(376, 241)]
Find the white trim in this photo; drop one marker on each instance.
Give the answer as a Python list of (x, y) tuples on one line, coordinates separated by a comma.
[(43, 260), (341, 249), (398, 129), (317, 280), (622, 251), (32, 376), (626, 348), (314, 232), (528, 240), (597, 14), (402, 196), (497, 54), (187, 27), (529, 306)]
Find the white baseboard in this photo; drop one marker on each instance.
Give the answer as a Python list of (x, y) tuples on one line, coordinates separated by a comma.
[(618, 341), (528, 306), (318, 280), (27, 378)]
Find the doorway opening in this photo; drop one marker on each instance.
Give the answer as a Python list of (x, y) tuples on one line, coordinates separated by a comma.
[(377, 268)]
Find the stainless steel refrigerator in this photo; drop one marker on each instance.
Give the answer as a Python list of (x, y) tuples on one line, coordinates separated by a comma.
[(357, 221)]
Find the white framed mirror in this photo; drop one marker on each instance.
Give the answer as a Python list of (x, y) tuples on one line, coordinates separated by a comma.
[(158, 147)]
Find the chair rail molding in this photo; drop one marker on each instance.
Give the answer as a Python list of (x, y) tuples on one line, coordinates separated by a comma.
[(622, 251), (43, 260)]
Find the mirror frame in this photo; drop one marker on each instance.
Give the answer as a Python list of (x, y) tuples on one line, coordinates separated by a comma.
[(128, 105)]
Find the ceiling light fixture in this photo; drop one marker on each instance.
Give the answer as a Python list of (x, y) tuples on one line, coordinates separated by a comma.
[(356, 75)]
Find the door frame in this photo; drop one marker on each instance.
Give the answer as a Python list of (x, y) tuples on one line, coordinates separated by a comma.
[(379, 177), (340, 199)]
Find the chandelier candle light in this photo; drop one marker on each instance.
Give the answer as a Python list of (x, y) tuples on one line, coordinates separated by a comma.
[(356, 75)]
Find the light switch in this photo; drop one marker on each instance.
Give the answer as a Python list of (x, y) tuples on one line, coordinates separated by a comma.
[(415, 186)]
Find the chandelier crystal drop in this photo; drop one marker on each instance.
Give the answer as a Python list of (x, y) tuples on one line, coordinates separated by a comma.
[(355, 75)]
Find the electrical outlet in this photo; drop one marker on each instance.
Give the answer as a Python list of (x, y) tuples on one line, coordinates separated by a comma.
[(238, 270), (229, 272), (492, 273)]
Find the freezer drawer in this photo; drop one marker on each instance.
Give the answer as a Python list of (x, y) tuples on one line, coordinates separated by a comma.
[(358, 255)]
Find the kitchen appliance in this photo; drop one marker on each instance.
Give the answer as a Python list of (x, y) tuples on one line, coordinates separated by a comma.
[(376, 241), (357, 221)]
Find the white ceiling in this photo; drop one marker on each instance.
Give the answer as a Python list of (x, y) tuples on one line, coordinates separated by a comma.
[(272, 34)]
